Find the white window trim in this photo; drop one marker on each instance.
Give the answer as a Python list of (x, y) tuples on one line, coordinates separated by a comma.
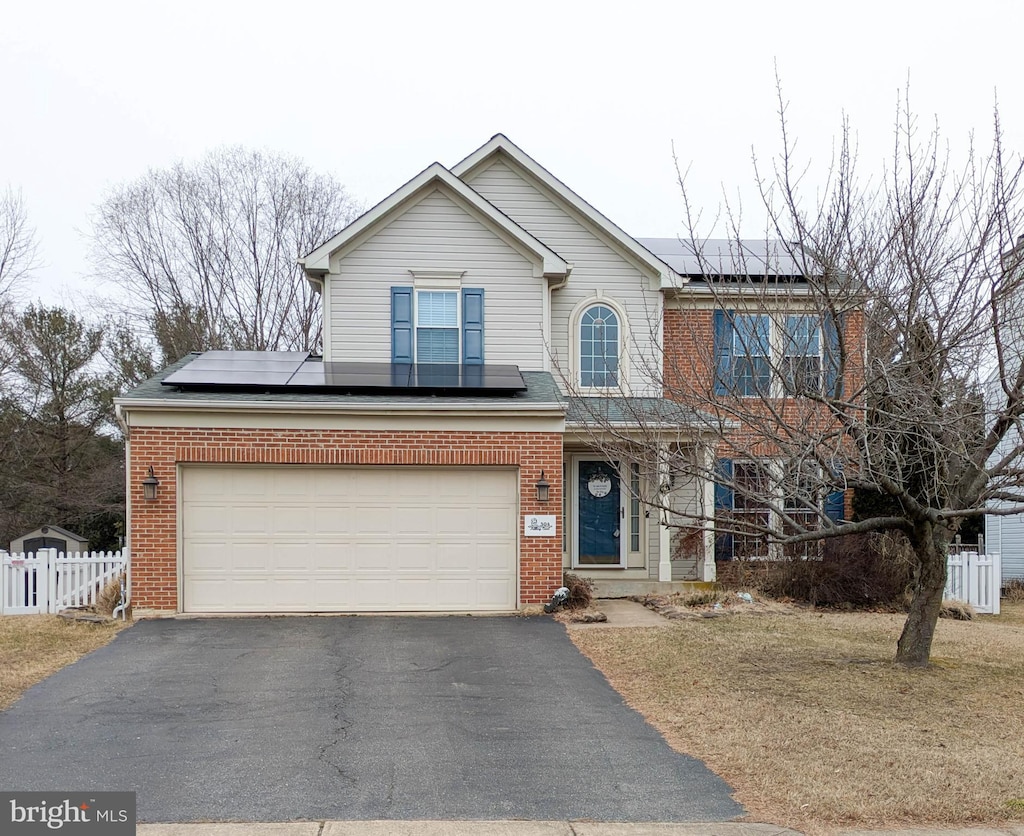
[(777, 339), (575, 364), (416, 317)]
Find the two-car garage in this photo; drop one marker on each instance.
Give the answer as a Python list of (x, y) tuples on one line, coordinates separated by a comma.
[(261, 538)]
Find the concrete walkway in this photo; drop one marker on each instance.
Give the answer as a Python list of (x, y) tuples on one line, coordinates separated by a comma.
[(529, 828), (622, 612)]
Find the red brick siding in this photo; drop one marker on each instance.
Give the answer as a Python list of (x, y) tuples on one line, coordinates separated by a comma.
[(154, 525), (689, 378)]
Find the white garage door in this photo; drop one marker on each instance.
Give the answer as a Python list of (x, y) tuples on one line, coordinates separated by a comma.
[(307, 539)]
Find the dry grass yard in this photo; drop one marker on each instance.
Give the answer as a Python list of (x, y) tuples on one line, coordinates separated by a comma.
[(805, 715), (34, 646)]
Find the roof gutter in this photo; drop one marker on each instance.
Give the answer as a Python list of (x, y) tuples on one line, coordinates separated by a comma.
[(289, 407)]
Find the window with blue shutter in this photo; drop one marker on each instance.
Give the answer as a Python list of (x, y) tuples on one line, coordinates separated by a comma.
[(437, 327), (742, 353)]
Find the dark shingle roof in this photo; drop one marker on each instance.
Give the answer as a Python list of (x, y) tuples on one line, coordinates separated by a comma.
[(639, 411)]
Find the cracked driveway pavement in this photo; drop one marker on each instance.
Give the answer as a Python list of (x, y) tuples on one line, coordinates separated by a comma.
[(275, 719)]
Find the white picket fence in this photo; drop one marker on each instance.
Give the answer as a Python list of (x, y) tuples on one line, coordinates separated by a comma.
[(49, 581), (974, 578)]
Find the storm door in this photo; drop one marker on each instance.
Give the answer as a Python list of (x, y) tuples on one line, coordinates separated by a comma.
[(599, 514)]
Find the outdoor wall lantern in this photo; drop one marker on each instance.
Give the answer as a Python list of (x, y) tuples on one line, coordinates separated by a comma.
[(149, 486), (543, 488)]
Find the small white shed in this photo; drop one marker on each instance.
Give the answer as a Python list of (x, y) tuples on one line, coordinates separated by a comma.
[(50, 537)]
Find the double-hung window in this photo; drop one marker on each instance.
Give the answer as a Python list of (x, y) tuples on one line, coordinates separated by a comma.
[(437, 326), (743, 353), (802, 349), (801, 354)]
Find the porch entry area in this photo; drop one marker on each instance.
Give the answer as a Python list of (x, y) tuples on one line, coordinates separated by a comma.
[(624, 544)]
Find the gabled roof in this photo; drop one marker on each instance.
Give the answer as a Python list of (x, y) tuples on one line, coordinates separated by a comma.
[(317, 263), (501, 144)]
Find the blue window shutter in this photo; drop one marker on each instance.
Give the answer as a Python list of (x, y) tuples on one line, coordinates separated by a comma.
[(723, 504), (835, 502), (472, 326), (835, 506), (831, 328), (401, 325), (723, 352), (723, 489)]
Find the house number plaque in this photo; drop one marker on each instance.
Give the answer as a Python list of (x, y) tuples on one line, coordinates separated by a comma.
[(539, 525)]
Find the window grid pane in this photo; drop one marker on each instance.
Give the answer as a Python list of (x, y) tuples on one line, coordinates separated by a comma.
[(750, 352), (801, 360), (599, 347)]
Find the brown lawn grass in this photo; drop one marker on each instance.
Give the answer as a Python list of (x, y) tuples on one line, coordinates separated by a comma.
[(34, 646), (805, 715)]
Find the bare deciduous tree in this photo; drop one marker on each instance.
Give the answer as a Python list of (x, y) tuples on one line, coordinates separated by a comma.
[(18, 245), (846, 352), (215, 244)]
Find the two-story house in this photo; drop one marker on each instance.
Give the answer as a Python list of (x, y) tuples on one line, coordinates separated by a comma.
[(484, 329)]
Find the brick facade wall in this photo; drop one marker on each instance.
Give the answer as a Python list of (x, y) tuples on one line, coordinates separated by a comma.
[(154, 524), (689, 369)]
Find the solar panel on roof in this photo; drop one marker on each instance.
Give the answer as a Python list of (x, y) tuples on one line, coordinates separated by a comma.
[(294, 371)]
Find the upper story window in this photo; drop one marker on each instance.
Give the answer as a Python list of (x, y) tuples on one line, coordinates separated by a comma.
[(751, 355), (599, 347), (437, 326), (758, 354)]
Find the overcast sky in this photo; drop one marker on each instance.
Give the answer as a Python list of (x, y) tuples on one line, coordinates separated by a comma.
[(95, 93)]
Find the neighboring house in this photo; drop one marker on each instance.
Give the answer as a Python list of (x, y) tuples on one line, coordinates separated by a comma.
[(483, 326), (1004, 533)]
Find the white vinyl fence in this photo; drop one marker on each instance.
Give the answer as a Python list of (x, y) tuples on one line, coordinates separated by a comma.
[(49, 581), (974, 577)]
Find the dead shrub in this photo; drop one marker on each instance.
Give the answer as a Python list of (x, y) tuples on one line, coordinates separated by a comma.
[(957, 610), (1013, 590), (109, 597), (581, 591), (705, 598), (859, 571)]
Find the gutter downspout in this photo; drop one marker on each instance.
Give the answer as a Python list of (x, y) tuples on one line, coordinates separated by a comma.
[(126, 591)]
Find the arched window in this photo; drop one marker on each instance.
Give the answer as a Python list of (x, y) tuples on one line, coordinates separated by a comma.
[(599, 347)]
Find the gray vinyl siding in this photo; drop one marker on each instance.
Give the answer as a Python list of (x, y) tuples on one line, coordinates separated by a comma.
[(685, 502), (596, 266), (435, 233), (1005, 534)]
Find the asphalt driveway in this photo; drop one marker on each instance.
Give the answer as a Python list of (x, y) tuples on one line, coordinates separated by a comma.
[(276, 719)]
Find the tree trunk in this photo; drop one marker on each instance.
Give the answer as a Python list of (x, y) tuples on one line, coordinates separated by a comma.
[(930, 544)]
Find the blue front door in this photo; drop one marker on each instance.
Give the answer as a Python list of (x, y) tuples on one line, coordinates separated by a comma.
[(599, 537)]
